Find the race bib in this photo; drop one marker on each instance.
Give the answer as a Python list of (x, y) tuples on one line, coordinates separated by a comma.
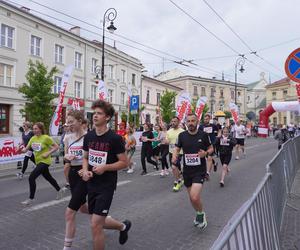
[(192, 160), (77, 151), (97, 158), (208, 130), (28, 153), (36, 146), (224, 142)]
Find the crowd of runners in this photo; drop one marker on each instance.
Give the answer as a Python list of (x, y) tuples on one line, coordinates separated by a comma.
[(92, 159)]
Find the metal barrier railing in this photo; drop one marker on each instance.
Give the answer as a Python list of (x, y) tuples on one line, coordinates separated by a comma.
[(257, 225)]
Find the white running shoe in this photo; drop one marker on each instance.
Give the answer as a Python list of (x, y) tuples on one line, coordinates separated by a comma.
[(237, 158), (60, 193), (162, 173), (20, 175), (27, 202), (167, 172), (130, 171)]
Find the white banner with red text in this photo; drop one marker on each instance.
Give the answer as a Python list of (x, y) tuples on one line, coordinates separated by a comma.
[(8, 150)]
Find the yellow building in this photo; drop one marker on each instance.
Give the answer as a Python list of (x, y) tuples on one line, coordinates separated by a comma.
[(281, 91)]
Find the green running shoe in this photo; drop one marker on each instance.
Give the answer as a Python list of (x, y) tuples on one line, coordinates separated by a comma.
[(200, 220)]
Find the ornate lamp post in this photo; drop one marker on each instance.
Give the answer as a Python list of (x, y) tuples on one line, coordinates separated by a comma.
[(109, 15), (240, 61)]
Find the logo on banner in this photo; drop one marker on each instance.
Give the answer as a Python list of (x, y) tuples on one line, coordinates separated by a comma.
[(183, 105)]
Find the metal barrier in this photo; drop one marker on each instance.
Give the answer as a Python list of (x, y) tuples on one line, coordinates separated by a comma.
[(257, 225)]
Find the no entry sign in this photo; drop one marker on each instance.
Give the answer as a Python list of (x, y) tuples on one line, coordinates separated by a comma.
[(292, 66)]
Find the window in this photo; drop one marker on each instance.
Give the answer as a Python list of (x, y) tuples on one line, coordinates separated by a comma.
[(94, 64), (6, 75), (35, 47), (59, 50), (221, 93), (57, 84), (232, 94), (7, 36), (285, 93), (94, 90), (148, 97), (273, 95), (122, 98), (275, 121), (195, 90), (133, 80), (78, 57), (284, 120), (110, 93), (158, 98), (222, 107), (4, 119), (248, 98), (77, 88), (203, 91), (148, 118), (212, 92), (111, 72), (123, 75), (239, 94)]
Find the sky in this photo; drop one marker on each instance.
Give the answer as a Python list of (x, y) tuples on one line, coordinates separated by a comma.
[(178, 30)]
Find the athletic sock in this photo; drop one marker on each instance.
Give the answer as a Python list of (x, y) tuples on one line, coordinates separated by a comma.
[(68, 243)]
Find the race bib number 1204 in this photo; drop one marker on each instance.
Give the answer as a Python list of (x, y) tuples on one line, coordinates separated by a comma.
[(97, 158)]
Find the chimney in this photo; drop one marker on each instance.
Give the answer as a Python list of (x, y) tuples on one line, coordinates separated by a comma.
[(75, 30), (25, 9)]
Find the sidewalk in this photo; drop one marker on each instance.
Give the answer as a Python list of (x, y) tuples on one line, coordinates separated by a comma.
[(10, 169), (290, 230)]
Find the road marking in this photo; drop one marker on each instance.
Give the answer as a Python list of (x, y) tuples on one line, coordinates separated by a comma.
[(55, 202)]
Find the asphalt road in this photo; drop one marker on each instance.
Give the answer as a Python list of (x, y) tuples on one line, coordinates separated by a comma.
[(160, 218)]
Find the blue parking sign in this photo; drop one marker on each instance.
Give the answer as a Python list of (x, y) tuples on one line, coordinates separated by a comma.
[(134, 103)]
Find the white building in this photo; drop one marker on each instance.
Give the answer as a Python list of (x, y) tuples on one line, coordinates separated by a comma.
[(25, 36), (151, 92)]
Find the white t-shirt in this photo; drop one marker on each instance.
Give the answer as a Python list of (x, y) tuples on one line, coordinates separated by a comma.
[(239, 131), (75, 148)]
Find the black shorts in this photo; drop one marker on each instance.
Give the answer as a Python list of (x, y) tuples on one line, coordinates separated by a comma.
[(78, 189), (225, 158), (156, 151), (240, 141), (99, 202), (193, 177), (178, 162)]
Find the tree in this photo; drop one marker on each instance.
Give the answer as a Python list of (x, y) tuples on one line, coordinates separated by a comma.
[(205, 110), (38, 93), (227, 114), (167, 105)]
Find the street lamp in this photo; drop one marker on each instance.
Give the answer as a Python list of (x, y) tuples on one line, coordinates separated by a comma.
[(240, 61), (110, 14)]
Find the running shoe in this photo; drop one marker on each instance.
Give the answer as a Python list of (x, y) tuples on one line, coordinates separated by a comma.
[(200, 220), (67, 186), (167, 172), (237, 158), (144, 173), (27, 202), (130, 171), (178, 186), (221, 184), (216, 166), (124, 234), (207, 175), (162, 173), (20, 175), (60, 193)]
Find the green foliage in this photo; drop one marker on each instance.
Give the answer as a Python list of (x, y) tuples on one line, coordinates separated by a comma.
[(167, 105), (38, 93), (205, 110), (227, 114)]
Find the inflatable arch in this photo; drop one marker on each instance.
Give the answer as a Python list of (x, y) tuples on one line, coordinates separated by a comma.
[(272, 108)]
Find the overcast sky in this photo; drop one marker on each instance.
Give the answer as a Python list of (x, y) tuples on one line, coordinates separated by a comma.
[(162, 26)]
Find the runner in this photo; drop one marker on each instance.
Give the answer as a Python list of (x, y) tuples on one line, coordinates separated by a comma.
[(212, 131), (26, 136), (104, 154), (196, 146), (172, 136), (130, 148), (146, 152), (239, 132), (43, 146), (225, 144), (73, 157), (164, 151), (156, 144)]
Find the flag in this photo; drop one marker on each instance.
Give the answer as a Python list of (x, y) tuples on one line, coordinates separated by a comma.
[(234, 111), (200, 106), (102, 91), (182, 105), (54, 125)]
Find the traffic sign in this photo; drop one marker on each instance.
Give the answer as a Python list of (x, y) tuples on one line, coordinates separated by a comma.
[(292, 66), (134, 103)]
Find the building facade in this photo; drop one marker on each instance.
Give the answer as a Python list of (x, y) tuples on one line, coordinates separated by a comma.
[(218, 92), (256, 96), (151, 92), (25, 37), (282, 91)]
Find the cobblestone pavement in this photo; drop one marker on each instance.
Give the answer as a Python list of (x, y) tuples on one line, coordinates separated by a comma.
[(161, 219)]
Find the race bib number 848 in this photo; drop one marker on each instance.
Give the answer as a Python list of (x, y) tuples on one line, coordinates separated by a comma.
[(97, 158)]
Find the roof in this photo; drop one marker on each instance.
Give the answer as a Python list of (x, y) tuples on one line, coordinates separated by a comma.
[(252, 85), (160, 82), (282, 81)]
